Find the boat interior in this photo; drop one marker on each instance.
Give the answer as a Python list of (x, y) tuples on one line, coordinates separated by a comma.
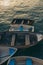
[(21, 25), (17, 39), (24, 61), (22, 21)]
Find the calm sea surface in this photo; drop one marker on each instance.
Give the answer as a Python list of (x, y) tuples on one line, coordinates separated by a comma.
[(35, 13)]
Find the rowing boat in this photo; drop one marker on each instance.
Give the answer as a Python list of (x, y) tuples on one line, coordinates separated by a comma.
[(24, 60)]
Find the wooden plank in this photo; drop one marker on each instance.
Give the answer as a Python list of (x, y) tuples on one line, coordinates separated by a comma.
[(27, 41)]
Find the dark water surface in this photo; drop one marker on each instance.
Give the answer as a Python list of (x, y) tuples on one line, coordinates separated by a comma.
[(35, 51)]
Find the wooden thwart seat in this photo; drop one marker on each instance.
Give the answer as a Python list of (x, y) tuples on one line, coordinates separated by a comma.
[(27, 41), (13, 40)]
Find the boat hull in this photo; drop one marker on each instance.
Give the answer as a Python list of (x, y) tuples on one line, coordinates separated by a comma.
[(18, 39), (6, 53), (22, 60)]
